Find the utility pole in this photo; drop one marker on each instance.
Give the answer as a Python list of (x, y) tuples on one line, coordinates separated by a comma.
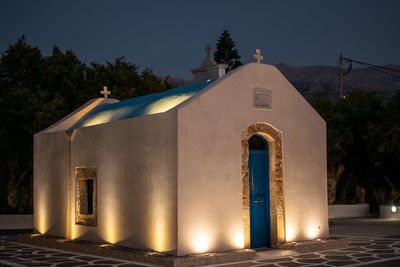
[(341, 95)]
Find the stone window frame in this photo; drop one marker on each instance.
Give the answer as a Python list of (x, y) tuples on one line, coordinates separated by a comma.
[(277, 205), (85, 173)]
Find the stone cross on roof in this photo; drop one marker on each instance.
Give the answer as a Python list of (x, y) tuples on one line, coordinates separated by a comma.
[(258, 55), (208, 50), (105, 92)]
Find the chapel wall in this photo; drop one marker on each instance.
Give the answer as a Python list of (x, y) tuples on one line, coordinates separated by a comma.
[(210, 128), (50, 172), (135, 162)]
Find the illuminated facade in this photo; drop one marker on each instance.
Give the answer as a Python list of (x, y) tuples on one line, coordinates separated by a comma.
[(176, 171)]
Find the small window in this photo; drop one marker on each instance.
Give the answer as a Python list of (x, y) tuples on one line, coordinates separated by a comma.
[(85, 197)]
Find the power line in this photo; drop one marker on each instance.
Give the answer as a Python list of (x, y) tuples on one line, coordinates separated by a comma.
[(371, 65), (342, 72)]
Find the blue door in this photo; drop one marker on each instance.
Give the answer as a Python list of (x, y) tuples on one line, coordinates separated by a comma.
[(259, 193)]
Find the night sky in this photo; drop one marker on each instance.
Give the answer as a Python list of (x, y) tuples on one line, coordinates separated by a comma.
[(170, 36)]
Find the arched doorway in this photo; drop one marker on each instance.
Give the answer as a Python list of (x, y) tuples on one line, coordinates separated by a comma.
[(273, 139), (260, 229)]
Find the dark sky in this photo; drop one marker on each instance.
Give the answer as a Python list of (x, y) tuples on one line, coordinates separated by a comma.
[(170, 36)]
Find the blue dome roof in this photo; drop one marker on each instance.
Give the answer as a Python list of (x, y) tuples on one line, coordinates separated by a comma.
[(139, 106)]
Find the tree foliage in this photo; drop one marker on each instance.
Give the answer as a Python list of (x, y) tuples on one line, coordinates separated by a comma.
[(363, 132), (226, 52), (36, 91)]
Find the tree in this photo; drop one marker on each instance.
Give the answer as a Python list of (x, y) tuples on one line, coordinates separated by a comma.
[(337, 135), (152, 84), (20, 67), (226, 52), (120, 76), (363, 148), (36, 91)]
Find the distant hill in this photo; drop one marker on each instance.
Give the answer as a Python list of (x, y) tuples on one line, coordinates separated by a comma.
[(324, 79)]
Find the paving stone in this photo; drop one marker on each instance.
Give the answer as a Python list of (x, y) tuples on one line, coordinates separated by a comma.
[(308, 256), (64, 255), (386, 256), (382, 242), (6, 254), (25, 252), (359, 244), (311, 260), (129, 265), (353, 249), (42, 258), (339, 257), (358, 255), (13, 247), (71, 264), (39, 264), (10, 250), (340, 263), (360, 239), (8, 257), (59, 260), (86, 258), (366, 259), (108, 262), (334, 253), (378, 246), (276, 260), (242, 264), (382, 251), (19, 261), (31, 256), (45, 252), (394, 236), (290, 264)]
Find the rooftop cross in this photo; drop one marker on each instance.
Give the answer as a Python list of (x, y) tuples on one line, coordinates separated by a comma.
[(105, 92), (208, 49), (258, 55)]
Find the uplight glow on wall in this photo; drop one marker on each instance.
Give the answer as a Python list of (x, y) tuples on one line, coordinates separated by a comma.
[(239, 239), (41, 216), (159, 234), (201, 242), (312, 231), (112, 228), (394, 209), (290, 233)]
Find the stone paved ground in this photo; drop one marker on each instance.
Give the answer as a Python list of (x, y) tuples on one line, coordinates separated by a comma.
[(17, 254), (372, 243), (360, 252)]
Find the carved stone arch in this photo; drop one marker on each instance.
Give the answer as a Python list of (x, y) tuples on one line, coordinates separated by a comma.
[(277, 205)]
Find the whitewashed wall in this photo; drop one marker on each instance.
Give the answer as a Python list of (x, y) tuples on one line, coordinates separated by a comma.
[(209, 160), (136, 181)]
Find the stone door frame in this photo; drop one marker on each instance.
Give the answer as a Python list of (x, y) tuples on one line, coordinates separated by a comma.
[(277, 205)]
